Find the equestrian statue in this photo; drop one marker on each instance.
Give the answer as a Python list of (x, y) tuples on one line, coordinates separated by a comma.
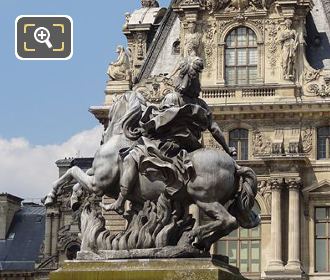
[(152, 163)]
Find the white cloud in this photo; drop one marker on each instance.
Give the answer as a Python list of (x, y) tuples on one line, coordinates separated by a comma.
[(28, 171)]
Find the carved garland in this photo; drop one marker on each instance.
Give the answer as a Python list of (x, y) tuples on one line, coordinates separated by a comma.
[(210, 30), (272, 42)]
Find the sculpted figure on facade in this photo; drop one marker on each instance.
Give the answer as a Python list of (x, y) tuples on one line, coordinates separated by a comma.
[(289, 42), (120, 70), (192, 40), (152, 156)]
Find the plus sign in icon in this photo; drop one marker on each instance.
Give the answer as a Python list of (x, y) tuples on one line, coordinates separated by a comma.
[(44, 37)]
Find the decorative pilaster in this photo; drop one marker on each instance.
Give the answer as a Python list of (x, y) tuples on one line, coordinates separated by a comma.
[(55, 228), (276, 263), (48, 230), (294, 186)]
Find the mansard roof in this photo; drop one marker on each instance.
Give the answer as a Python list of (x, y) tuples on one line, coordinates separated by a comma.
[(20, 250), (158, 42), (318, 35)]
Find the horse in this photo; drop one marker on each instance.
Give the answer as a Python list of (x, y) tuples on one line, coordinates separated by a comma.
[(219, 181)]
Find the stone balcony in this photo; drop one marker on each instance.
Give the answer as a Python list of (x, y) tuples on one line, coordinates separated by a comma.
[(256, 94)]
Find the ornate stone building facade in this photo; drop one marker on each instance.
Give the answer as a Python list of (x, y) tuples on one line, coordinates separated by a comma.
[(267, 80)]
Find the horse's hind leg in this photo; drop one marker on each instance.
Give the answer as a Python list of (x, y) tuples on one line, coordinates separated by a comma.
[(76, 173), (211, 232)]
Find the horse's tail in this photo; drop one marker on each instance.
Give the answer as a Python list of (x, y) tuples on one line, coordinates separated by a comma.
[(241, 208), (249, 187)]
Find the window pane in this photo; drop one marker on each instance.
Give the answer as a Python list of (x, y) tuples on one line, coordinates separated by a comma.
[(242, 76), (244, 150), (255, 232), (253, 57), (321, 230), (252, 74), (244, 256), (243, 133), (230, 76), (321, 255), (230, 57), (241, 37), (320, 213), (324, 131), (321, 148), (234, 234), (222, 248), (244, 232), (255, 256), (232, 252), (241, 57), (231, 39), (234, 134), (252, 38)]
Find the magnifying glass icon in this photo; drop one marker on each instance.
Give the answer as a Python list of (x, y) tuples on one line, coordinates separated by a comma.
[(42, 35)]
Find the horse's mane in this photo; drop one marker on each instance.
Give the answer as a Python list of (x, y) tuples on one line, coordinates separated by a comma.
[(119, 110)]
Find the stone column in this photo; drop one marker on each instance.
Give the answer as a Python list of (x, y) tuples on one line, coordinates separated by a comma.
[(276, 263), (55, 228), (294, 225), (48, 231)]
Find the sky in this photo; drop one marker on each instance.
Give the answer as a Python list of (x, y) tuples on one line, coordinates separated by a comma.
[(44, 104)]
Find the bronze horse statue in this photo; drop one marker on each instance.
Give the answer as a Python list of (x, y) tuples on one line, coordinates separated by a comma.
[(223, 190)]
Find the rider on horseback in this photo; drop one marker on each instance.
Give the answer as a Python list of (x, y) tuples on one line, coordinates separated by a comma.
[(166, 134)]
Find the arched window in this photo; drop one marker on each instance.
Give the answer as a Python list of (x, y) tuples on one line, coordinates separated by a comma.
[(176, 48), (242, 246), (239, 138), (323, 142), (241, 57)]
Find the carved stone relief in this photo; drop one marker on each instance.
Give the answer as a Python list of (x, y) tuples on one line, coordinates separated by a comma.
[(272, 29), (264, 189), (261, 144), (210, 30), (213, 6), (316, 82), (307, 140), (322, 90), (155, 88)]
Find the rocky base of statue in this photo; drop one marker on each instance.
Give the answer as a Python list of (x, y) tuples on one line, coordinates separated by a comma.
[(155, 253), (154, 230), (148, 269)]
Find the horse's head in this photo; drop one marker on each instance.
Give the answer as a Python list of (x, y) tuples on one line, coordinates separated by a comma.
[(187, 82)]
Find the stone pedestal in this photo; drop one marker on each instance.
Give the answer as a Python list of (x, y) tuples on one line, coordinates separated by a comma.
[(156, 269), (115, 87)]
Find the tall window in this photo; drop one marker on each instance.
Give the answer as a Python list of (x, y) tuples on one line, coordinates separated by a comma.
[(322, 239), (239, 138), (241, 57), (323, 142), (242, 247)]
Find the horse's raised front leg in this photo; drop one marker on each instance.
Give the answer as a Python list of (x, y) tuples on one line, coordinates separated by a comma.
[(211, 232), (84, 180)]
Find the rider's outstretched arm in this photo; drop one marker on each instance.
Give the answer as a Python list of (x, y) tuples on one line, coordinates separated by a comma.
[(218, 136)]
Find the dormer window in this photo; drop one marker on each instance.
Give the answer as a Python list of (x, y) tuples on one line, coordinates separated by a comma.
[(241, 57), (176, 48)]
